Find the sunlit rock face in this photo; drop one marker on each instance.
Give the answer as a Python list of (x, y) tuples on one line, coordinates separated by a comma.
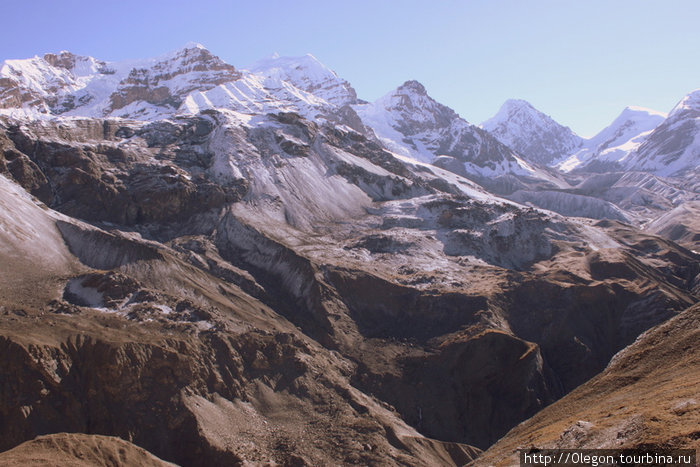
[(251, 269)]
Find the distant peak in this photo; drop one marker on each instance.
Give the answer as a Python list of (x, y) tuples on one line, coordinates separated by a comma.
[(309, 60), (275, 61), (690, 101), (508, 110), (193, 45), (190, 48), (62, 59), (517, 104), (633, 109), (62, 54), (413, 86)]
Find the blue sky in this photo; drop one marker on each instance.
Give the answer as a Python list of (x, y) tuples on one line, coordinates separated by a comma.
[(580, 62)]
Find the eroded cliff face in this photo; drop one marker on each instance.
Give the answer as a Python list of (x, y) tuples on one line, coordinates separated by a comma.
[(646, 398), (159, 352), (167, 82), (274, 289), (108, 171), (191, 396)]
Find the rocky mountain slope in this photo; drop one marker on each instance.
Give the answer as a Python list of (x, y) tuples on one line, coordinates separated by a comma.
[(674, 146), (79, 450), (531, 133), (645, 398), (267, 278), (412, 124), (153, 347), (270, 253), (610, 148)]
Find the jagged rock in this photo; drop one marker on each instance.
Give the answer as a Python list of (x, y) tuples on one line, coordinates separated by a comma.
[(258, 278), (624, 406), (531, 133), (118, 182)]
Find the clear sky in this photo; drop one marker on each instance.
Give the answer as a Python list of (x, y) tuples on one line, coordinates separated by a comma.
[(579, 61)]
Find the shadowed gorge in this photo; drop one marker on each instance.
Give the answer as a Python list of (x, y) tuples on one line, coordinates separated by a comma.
[(241, 267)]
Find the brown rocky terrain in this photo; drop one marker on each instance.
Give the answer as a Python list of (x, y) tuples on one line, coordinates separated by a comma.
[(217, 378), (149, 84), (79, 450), (647, 397), (265, 270), (288, 291)]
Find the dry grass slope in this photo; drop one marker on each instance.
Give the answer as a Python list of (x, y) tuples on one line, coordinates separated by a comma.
[(79, 450), (648, 396)]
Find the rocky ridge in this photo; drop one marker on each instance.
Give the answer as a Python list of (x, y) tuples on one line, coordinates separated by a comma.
[(531, 133), (66, 84), (608, 149), (412, 124), (78, 450), (673, 148), (644, 399), (275, 284)]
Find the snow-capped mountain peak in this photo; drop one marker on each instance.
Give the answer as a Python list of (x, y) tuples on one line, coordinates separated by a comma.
[(635, 109), (412, 86), (308, 74), (165, 82), (611, 146), (511, 106), (533, 134), (79, 66), (39, 84), (412, 124), (193, 45), (632, 121), (414, 107), (689, 103), (673, 148), (307, 63)]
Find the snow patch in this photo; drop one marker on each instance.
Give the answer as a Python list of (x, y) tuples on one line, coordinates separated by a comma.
[(84, 296)]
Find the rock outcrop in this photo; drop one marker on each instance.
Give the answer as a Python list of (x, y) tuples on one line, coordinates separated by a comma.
[(226, 277), (261, 279), (531, 133), (646, 398)]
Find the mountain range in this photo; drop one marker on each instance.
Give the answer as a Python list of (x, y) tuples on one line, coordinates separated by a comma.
[(231, 266), (191, 79)]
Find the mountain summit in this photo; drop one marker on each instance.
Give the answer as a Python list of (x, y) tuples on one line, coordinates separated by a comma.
[(309, 74), (413, 124), (66, 84), (673, 148), (531, 133), (254, 267), (610, 147)]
